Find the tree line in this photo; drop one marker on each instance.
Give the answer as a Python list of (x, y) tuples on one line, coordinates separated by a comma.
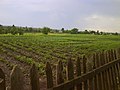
[(45, 30)]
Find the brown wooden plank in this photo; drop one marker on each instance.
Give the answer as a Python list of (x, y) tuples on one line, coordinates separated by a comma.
[(17, 79), (98, 64), (114, 70), (115, 54), (95, 83), (49, 75), (118, 73), (106, 75), (90, 80), (111, 70), (103, 74), (34, 77), (2, 80), (59, 74), (78, 72), (70, 72), (103, 81), (85, 71), (118, 56), (110, 79), (118, 53)]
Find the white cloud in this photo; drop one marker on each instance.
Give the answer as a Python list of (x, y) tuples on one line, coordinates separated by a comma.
[(103, 22)]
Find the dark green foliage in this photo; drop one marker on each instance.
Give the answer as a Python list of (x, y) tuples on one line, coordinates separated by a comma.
[(86, 32), (92, 32), (62, 30), (20, 31), (1, 30), (97, 32), (74, 31), (67, 31), (46, 30), (14, 30)]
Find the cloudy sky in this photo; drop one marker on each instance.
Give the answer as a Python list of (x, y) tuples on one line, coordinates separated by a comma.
[(103, 15)]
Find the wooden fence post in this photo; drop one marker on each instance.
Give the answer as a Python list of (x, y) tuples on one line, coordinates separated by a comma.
[(103, 79), (70, 72), (99, 82), (49, 75), (118, 53), (115, 54), (78, 72), (17, 80), (111, 71), (106, 75), (60, 77), (118, 65), (84, 71), (90, 80), (111, 82), (95, 83), (35, 85), (114, 70), (2, 80)]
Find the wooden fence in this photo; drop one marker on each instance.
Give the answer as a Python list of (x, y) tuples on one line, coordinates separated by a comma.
[(102, 73)]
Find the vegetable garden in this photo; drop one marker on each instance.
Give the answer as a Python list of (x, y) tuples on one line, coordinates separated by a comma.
[(39, 49)]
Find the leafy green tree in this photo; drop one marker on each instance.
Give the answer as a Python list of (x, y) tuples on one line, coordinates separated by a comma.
[(46, 30), (30, 29), (1, 29), (92, 32), (86, 32), (115, 33), (74, 31), (101, 33), (14, 30), (63, 30), (98, 33), (0, 25), (20, 31)]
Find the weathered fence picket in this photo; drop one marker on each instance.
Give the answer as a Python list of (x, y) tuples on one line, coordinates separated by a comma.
[(2, 80), (78, 72), (84, 71), (17, 79), (95, 83), (90, 81), (70, 72), (49, 75), (59, 74), (35, 85)]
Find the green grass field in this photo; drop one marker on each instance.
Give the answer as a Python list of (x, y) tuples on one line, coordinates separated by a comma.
[(39, 48)]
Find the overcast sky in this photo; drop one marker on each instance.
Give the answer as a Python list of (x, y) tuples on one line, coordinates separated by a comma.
[(103, 15)]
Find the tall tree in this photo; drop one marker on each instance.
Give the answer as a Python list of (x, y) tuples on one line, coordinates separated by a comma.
[(14, 30), (74, 31), (46, 30)]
